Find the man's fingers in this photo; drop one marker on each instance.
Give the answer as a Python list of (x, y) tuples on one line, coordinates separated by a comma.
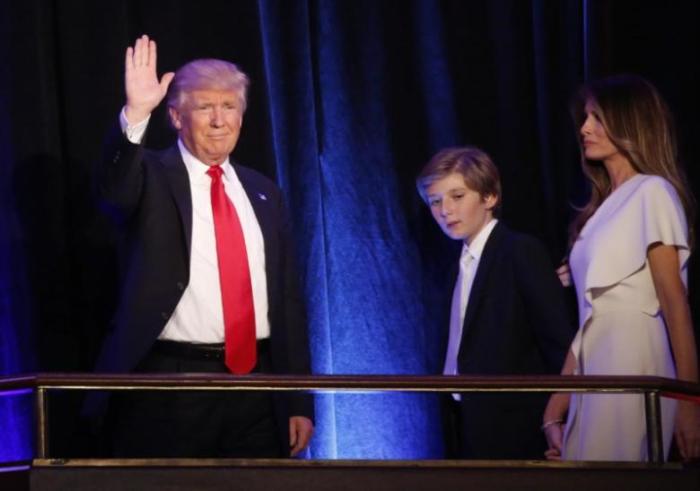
[(141, 51), (129, 59), (292, 435), (302, 441), (295, 440), (165, 81), (300, 431), (134, 56), (152, 55), (137, 53), (304, 438)]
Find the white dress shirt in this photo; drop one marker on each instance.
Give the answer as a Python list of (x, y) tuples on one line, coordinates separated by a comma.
[(198, 317), (469, 263)]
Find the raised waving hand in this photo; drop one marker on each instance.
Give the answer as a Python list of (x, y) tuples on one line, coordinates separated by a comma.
[(143, 89)]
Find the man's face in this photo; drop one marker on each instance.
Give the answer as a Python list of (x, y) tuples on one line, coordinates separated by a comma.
[(209, 123), (460, 211)]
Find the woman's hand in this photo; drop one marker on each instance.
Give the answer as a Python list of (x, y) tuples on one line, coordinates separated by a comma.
[(687, 430), (554, 433)]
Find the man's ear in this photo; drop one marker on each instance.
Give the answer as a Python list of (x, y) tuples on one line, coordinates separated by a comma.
[(175, 119), (491, 200)]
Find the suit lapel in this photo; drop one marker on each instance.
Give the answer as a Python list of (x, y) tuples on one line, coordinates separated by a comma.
[(264, 210), (260, 202), (486, 263), (179, 182), (452, 274)]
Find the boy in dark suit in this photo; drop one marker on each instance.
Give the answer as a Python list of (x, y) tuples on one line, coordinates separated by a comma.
[(507, 315)]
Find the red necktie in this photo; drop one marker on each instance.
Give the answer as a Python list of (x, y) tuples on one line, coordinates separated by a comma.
[(234, 276)]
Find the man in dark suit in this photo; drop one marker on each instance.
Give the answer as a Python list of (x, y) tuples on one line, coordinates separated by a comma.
[(507, 314), (208, 280)]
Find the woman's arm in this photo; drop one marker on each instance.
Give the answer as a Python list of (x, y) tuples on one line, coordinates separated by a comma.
[(555, 413), (670, 290)]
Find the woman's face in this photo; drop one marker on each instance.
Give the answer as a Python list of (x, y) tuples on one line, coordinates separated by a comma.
[(595, 140)]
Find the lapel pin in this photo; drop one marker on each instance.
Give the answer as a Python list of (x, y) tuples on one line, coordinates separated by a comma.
[(262, 196)]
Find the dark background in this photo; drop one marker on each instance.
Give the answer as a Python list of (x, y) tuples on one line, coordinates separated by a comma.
[(349, 99)]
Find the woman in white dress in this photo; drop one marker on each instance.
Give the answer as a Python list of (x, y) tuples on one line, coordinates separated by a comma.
[(628, 262)]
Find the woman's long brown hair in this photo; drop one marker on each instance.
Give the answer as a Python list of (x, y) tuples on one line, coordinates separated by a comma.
[(638, 122)]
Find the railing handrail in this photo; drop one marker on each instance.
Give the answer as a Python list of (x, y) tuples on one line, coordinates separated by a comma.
[(410, 383), (651, 387)]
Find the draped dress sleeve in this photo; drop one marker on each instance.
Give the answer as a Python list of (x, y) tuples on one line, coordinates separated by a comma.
[(613, 245)]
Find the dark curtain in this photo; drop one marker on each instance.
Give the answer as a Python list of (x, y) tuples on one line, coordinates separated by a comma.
[(349, 99)]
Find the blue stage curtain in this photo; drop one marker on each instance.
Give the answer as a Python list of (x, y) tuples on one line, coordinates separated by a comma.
[(360, 95), (362, 270), (16, 353)]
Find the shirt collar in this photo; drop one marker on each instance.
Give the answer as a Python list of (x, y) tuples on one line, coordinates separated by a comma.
[(476, 248), (198, 169)]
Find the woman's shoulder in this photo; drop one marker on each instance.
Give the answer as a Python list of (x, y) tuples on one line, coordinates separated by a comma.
[(654, 212), (653, 185), (659, 197)]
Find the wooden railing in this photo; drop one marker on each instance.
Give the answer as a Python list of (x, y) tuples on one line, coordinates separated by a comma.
[(651, 387)]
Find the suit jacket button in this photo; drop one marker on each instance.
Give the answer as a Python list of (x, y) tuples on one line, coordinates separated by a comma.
[(165, 315), (180, 285)]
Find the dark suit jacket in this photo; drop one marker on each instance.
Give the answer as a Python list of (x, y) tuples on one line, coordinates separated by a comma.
[(148, 194), (516, 323)]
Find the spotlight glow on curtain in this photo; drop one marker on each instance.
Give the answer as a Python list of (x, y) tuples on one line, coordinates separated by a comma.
[(362, 272)]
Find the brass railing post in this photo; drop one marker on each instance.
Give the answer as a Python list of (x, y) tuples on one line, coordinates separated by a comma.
[(652, 408), (40, 410)]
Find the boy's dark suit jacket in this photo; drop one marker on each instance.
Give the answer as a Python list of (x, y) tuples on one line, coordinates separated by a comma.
[(516, 323), (148, 194)]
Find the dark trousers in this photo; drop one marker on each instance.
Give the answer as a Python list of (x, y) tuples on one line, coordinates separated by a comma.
[(451, 427), (194, 424), (494, 426)]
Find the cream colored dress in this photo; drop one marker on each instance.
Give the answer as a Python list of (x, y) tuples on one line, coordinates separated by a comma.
[(621, 328)]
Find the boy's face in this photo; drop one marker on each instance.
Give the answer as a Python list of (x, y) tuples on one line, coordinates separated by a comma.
[(460, 211)]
